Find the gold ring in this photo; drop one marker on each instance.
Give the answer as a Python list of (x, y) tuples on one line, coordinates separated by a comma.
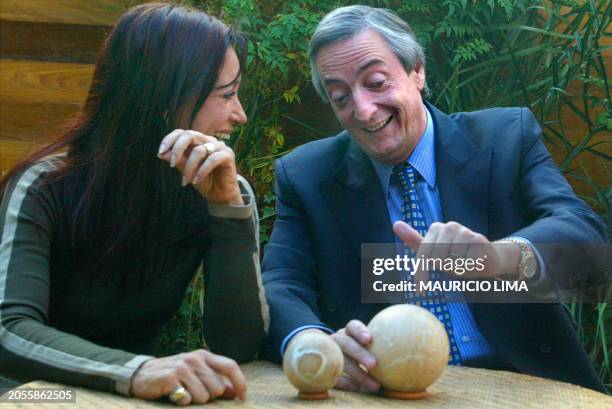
[(177, 394), (210, 147)]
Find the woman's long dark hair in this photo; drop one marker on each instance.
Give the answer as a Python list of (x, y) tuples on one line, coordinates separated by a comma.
[(158, 65)]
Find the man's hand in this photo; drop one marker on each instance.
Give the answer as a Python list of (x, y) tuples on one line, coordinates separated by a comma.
[(204, 375), (452, 240), (353, 340)]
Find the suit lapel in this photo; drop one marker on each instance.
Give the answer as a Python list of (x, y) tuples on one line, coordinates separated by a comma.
[(462, 174), (356, 200), (355, 197)]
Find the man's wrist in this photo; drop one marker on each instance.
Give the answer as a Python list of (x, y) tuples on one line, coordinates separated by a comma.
[(299, 330), (520, 259), (510, 259), (304, 332)]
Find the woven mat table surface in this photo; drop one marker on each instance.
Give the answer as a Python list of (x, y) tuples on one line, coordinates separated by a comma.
[(457, 388)]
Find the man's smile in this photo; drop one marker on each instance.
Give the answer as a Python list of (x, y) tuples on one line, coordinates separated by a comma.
[(377, 127)]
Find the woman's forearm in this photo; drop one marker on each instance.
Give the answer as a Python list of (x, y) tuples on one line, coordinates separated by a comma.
[(236, 314)]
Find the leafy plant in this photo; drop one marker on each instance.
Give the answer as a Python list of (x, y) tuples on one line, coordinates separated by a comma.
[(184, 331)]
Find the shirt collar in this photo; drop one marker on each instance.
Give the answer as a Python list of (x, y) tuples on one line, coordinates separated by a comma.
[(422, 159)]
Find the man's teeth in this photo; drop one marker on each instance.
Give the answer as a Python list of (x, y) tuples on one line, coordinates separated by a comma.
[(220, 135), (379, 125)]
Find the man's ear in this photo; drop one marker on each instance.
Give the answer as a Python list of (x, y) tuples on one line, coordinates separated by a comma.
[(419, 73)]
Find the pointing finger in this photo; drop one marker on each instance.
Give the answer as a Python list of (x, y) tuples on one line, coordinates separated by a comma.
[(408, 235)]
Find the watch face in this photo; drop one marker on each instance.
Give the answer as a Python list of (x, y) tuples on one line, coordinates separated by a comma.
[(529, 264)]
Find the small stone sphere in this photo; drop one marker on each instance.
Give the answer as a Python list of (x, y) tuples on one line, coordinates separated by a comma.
[(411, 348), (313, 362)]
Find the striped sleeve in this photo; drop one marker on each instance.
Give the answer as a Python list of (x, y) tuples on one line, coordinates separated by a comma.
[(236, 314), (29, 348)]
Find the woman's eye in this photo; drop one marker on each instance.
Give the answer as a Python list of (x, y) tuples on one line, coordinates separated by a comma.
[(229, 95)]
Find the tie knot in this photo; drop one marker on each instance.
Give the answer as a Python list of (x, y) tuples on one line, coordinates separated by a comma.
[(405, 175)]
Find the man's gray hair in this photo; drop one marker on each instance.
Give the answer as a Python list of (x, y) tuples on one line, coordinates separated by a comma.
[(346, 22)]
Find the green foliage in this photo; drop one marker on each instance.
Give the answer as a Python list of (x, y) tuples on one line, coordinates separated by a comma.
[(471, 51), (184, 331), (546, 55), (594, 328)]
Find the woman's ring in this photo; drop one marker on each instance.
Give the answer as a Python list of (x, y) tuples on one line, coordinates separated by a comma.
[(177, 394), (210, 147)]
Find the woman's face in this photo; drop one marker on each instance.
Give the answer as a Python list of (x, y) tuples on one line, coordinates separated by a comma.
[(221, 111)]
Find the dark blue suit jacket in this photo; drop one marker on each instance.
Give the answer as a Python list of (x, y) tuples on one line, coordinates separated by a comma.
[(494, 176)]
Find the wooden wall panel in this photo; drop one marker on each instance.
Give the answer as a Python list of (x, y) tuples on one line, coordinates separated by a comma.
[(41, 81), (90, 12), (51, 41), (33, 122), (36, 98), (47, 51), (12, 152)]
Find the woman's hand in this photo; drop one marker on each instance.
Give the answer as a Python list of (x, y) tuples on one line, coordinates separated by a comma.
[(204, 375), (205, 162)]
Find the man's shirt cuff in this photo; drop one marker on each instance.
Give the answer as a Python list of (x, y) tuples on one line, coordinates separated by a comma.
[(298, 329)]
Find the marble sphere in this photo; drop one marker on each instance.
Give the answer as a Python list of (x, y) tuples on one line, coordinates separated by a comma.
[(313, 362), (411, 349)]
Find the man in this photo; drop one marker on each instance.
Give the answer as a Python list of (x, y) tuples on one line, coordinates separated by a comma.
[(480, 177)]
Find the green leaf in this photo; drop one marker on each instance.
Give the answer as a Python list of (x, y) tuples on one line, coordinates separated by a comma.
[(268, 211)]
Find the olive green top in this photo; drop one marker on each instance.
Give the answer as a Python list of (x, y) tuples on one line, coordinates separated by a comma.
[(60, 324)]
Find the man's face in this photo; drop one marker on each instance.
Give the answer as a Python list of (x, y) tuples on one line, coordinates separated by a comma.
[(373, 97)]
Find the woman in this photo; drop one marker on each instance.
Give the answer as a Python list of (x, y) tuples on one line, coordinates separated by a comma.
[(99, 244)]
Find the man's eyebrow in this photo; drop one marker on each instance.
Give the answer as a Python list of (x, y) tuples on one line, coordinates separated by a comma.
[(369, 64), (229, 84), (361, 69)]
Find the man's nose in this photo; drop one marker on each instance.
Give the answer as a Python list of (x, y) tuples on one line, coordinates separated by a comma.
[(238, 115), (363, 107)]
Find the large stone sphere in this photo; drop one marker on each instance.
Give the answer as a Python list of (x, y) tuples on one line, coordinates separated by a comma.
[(411, 348), (313, 362)]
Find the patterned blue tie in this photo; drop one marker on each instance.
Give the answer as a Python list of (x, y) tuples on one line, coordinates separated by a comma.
[(412, 214)]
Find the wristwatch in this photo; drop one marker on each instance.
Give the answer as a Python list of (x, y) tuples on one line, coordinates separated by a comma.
[(528, 265)]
